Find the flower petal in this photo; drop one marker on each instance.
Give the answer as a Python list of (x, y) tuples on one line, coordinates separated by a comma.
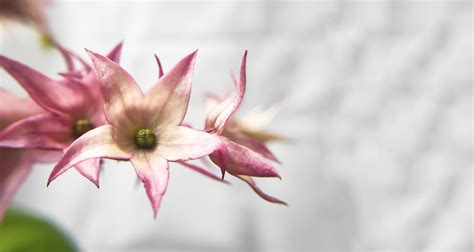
[(243, 161), (90, 169), (119, 89), (251, 143), (203, 172), (168, 99), (23, 108), (160, 68), (217, 118), (183, 143), (259, 191), (44, 131), (14, 169), (154, 173), (45, 156), (55, 96), (67, 55), (97, 143), (116, 52)]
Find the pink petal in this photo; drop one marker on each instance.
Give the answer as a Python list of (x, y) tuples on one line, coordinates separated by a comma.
[(97, 143), (54, 96), (90, 169), (116, 52), (218, 117), (153, 172), (183, 143), (203, 171), (253, 144), (44, 131), (67, 55), (45, 156), (23, 108), (14, 169), (160, 68), (259, 191), (169, 97), (243, 161), (119, 90)]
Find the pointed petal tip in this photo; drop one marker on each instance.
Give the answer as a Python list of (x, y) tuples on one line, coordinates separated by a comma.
[(223, 173), (160, 67), (120, 44), (281, 202), (90, 53), (192, 56)]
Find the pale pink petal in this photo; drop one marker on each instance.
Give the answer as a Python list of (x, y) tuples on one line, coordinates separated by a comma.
[(160, 68), (253, 144), (119, 90), (258, 118), (203, 172), (169, 97), (44, 131), (217, 118), (90, 169), (16, 166), (243, 161), (259, 191), (23, 108), (153, 172), (183, 143), (54, 96), (96, 143)]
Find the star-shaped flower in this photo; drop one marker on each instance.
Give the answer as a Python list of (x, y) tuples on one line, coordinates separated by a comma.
[(238, 160), (73, 106), (144, 128)]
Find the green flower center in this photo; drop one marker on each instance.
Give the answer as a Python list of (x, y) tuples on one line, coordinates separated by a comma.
[(81, 127), (145, 139)]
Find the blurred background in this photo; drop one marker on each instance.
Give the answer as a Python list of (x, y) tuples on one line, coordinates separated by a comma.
[(375, 95)]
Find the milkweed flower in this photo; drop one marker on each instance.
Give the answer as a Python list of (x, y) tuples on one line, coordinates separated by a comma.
[(17, 163), (241, 155), (143, 128), (73, 106)]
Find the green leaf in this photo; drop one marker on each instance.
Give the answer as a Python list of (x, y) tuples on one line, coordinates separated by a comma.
[(20, 232)]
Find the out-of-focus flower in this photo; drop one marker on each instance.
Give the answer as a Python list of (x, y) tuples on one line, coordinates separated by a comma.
[(27, 11), (17, 163), (237, 159), (73, 104), (144, 129)]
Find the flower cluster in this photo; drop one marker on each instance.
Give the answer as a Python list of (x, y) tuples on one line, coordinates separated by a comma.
[(99, 112)]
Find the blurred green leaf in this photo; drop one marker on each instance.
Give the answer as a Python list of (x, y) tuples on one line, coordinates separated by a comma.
[(22, 232)]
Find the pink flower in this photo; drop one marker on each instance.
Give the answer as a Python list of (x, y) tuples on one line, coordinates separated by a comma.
[(73, 105), (28, 11), (16, 163), (240, 157), (250, 131), (144, 128)]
